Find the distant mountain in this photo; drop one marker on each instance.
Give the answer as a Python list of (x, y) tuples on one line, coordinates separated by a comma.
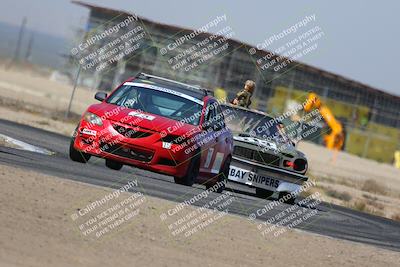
[(46, 50)]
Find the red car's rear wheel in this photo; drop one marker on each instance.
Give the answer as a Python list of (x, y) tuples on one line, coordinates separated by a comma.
[(222, 177), (191, 174)]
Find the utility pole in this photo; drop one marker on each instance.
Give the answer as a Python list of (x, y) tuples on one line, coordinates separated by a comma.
[(29, 49), (373, 117), (73, 91), (20, 35)]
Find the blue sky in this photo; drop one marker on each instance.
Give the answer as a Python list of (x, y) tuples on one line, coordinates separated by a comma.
[(361, 38)]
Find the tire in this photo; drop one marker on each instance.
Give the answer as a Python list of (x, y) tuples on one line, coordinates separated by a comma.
[(191, 174), (290, 200), (114, 165), (222, 176), (75, 154), (263, 193), (220, 189)]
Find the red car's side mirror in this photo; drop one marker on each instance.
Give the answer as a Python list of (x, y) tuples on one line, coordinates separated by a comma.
[(100, 96)]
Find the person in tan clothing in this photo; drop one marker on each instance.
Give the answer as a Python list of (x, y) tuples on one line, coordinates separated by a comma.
[(243, 98)]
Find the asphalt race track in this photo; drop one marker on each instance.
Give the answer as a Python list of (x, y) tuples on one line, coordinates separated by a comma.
[(330, 220)]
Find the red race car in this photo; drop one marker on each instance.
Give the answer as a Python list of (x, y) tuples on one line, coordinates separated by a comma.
[(159, 125)]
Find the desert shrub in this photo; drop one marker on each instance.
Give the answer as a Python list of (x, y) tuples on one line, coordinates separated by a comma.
[(338, 195), (359, 205), (373, 187), (396, 217), (369, 197), (375, 204)]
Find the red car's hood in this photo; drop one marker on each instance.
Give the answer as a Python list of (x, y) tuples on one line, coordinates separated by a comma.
[(142, 119)]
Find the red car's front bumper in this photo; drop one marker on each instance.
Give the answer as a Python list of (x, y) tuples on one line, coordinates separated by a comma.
[(143, 149)]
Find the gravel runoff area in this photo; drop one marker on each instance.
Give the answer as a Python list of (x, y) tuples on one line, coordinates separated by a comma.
[(38, 230)]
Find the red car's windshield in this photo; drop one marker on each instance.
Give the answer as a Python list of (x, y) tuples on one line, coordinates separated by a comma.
[(157, 102)]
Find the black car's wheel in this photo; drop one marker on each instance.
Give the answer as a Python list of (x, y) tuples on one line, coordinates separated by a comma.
[(75, 154), (219, 189), (263, 193), (288, 199), (191, 174), (222, 177), (115, 165)]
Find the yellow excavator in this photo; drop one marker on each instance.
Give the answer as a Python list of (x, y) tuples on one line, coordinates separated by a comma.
[(335, 139)]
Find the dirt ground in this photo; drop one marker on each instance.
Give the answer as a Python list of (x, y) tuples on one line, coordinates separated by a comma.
[(37, 230), (354, 182), (342, 178), (40, 91)]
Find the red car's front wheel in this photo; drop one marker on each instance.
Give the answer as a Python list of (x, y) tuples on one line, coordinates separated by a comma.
[(75, 154), (115, 165)]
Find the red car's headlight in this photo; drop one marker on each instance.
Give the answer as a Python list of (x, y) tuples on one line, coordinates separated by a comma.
[(93, 118)]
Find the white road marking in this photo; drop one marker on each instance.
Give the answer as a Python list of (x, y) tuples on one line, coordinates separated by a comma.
[(17, 144)]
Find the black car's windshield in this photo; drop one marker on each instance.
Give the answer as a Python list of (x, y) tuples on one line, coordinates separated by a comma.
[(252, 123), (157, 102)]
